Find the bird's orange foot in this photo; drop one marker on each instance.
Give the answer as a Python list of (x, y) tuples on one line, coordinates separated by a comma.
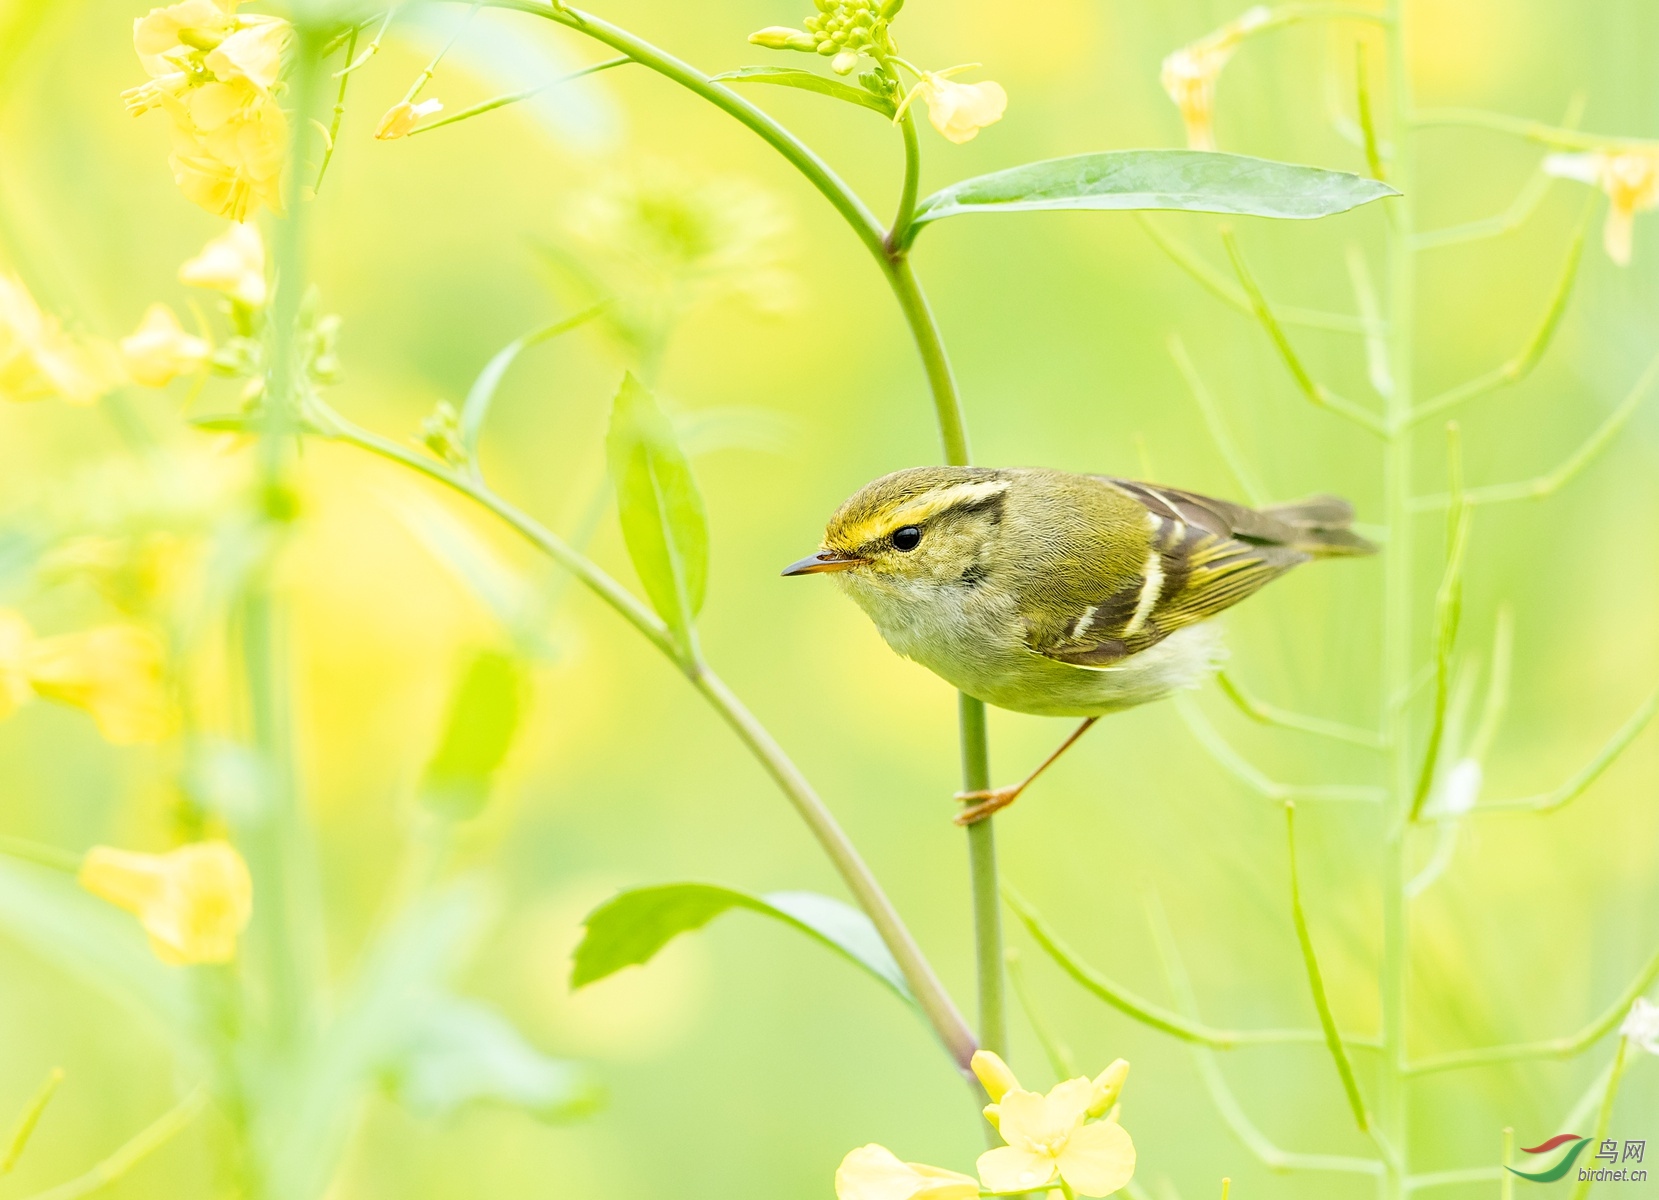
[(983, 803)]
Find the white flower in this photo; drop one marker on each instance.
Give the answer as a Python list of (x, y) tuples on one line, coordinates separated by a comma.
[(1642, 1025)]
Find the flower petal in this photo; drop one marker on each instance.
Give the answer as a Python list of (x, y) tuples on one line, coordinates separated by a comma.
[(1098, 1159), (875, 1173), (1067, 1101), (1011, 1169)]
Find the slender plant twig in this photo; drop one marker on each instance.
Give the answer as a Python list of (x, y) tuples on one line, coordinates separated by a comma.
[(1553, 136), (1448, 615), (1604, 1118), (1226, 290), (1232, 1112), (1146, 1011), (25, 1128), (1436, 1179), (168, 1126), (1059, 1055), (1264, 713), (936, 1005), (40, 854), (1547, 484), (333, 133), (1254, 778), (1317, 393), (514, 97), (372, 48), (1562, 1047), (1576, 786), (1520, 365), (1316, 983), (1368, 128), (1219, 433), (1376, 345)]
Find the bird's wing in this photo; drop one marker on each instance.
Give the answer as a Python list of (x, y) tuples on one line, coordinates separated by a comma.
[(1203, 556)]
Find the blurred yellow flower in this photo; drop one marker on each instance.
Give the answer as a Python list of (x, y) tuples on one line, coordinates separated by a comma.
[(193, 901), (14, 678), (232, 263), (213, 72), (958, 110), (1631, 180), (112, 672), (1049, 1134), (39, 359), (875, 1173), (159, 350), (400, 119), (1189, 74)]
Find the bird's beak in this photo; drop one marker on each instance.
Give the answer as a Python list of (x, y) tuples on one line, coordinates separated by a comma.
[(824, 560)]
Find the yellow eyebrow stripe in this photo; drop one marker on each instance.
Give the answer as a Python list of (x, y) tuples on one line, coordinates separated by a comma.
[(922, 508)]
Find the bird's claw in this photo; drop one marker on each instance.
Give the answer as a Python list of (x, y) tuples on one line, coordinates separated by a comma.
[(984, 802)]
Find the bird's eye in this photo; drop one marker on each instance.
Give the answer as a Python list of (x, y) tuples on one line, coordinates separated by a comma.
[(907, 538)]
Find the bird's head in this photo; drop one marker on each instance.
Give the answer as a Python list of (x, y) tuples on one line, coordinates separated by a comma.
[(919, 527)]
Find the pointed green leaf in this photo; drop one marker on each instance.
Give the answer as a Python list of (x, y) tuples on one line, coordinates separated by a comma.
[(632, 926), (1191, 180), (662, 512), (481, 395), (811, 82), (483, 716)]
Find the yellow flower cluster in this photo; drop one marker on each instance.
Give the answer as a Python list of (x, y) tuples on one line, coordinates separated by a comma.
[(1067, 1138), (193, 902), (215, 73), (114, 673)]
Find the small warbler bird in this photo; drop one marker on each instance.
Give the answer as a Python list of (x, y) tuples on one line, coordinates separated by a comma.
[(1059, 594)]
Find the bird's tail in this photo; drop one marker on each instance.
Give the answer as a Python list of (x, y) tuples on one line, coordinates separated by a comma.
[(1323, 526)]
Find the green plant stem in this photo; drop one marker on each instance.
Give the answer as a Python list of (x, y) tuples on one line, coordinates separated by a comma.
[(25, 1128), (40, 854), (912, 182), (168, 1126), (1553, 136), (1604, 1118), (947, 404), (478, 110), (931, 996), (1391, 1113), (982, 861)]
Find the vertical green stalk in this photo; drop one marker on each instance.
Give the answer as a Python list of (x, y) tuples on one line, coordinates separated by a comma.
[(1392, 1115), (1604, 1118), (285, 932), (976, 756)]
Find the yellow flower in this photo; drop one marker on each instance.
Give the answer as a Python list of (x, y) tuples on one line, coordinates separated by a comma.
[(38, 359), (232, 263), (14, 679), (193, 901), (213, 73), (958, 110), (112, 672), (1049, 1135), (1190, 73), (401, 119), (1631, 180), (875, 1173), (160, 350)]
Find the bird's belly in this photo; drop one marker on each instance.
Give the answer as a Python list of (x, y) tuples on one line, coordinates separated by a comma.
[(1021, 680)]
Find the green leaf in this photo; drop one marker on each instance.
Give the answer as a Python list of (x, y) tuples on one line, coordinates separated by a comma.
[(1190, 180), (632, 926), (464, 1052), (483, 716), (662, 512), (811, 82)]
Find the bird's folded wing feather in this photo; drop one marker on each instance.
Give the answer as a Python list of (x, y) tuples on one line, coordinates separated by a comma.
[(1204, 556)]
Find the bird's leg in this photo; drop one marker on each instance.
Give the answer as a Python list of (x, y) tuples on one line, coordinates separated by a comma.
[(990, 800)]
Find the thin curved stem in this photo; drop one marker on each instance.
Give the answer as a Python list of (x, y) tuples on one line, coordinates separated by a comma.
[(912, 183), (168, 1126), (931, 996), (1553, 136)]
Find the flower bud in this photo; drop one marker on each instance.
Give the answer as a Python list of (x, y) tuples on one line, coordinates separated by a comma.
[(782, 37), (400, 120), (193, 901), (993, 1114), (844, 62), (1108, 1086), (994, 1074)]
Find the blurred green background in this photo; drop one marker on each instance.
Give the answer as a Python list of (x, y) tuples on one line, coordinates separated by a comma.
[(745, 1062)]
